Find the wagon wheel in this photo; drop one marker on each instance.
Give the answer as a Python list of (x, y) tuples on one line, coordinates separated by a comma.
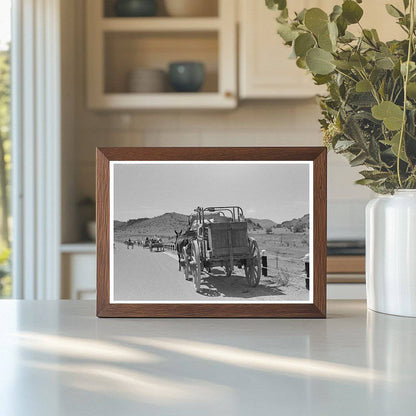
[(196, 265), (253, 266), (186, 266)]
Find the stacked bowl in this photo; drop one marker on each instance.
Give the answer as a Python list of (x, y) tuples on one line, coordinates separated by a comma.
[(147, 80)]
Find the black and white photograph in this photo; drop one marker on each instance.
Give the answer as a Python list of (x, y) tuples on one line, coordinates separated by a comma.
[(197, 232)]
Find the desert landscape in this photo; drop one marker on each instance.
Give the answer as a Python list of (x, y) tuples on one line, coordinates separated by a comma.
[(284, 244)]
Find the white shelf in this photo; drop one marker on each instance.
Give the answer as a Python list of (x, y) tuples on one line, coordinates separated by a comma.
[(159, 24), (115, 46), (81, 247), (163, 101)]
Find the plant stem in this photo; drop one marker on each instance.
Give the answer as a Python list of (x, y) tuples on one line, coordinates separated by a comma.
[(373, 89), (406, 80), (346, 75)]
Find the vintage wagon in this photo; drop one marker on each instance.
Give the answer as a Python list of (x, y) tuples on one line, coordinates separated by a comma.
[(218, 237), (156, 244)]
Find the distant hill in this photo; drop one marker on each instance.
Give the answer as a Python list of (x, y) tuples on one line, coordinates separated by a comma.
[(263, 223), (162, 225), (166, 224), (296, 225), (119, 224)]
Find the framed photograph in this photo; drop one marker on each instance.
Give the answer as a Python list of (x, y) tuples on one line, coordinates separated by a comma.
[(211, 232)]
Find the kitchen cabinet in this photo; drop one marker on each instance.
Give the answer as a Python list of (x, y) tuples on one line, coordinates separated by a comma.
[(78, 264), (118, 45), (265, 70)]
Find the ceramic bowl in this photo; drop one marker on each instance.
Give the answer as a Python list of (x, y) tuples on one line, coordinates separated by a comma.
[(186, 76), (147, 80), (135, 8)]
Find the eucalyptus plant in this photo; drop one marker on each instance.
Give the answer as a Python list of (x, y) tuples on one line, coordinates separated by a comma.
[(369, 112)]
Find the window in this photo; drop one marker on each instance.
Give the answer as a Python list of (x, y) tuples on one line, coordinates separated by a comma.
[(5, 147)]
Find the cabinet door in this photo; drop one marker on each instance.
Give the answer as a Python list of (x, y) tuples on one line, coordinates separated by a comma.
[(265, 68)]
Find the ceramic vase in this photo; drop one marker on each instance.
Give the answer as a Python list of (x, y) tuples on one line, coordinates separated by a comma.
[(391, 253)]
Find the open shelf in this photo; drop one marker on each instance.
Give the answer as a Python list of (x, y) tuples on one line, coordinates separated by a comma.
[(211, 9), (130, 101), (160, 24), (116, 46), (80, 247), (127, 51)]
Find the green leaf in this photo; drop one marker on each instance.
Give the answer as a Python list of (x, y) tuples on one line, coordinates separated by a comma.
[(361, 99), (336, 12), (393, 11), (300, 17), (319, 61), (368, 36), (391, 114), (303, 43), (412, 67), (286, 32), (354, 131), (325, 42), (301, 63), (358, 61), (363, 86), (375, 175), (348, 37), (374, 150), (375, 35), (342, 25), (394, 144), (343, 65), (321, 79), (333, 32), (316, 20), (283, 17), (411, 90), (358, 160), (364, 181), (385, 63), (343, 145), (276, 4), (327, 39), (351, 11)]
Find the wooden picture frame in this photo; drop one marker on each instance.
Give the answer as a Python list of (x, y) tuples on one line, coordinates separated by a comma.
[(316, 308)]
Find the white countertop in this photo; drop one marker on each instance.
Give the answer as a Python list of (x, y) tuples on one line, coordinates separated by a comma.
[(57, 359)]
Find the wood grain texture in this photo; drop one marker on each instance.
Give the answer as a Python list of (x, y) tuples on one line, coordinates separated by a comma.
[(211, 310)]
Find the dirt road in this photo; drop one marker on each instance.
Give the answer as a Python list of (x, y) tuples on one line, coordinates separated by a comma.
[(145, 275)]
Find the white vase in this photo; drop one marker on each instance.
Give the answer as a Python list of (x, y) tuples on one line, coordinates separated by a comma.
[(391, 253)]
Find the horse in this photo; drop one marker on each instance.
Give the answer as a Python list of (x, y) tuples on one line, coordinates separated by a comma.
[(129, 244), (181, 241)]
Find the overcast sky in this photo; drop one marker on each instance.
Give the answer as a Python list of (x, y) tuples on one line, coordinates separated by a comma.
[(277, 192)]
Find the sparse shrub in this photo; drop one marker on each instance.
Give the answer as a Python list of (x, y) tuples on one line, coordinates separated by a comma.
[(282, 277), (298, 228)]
